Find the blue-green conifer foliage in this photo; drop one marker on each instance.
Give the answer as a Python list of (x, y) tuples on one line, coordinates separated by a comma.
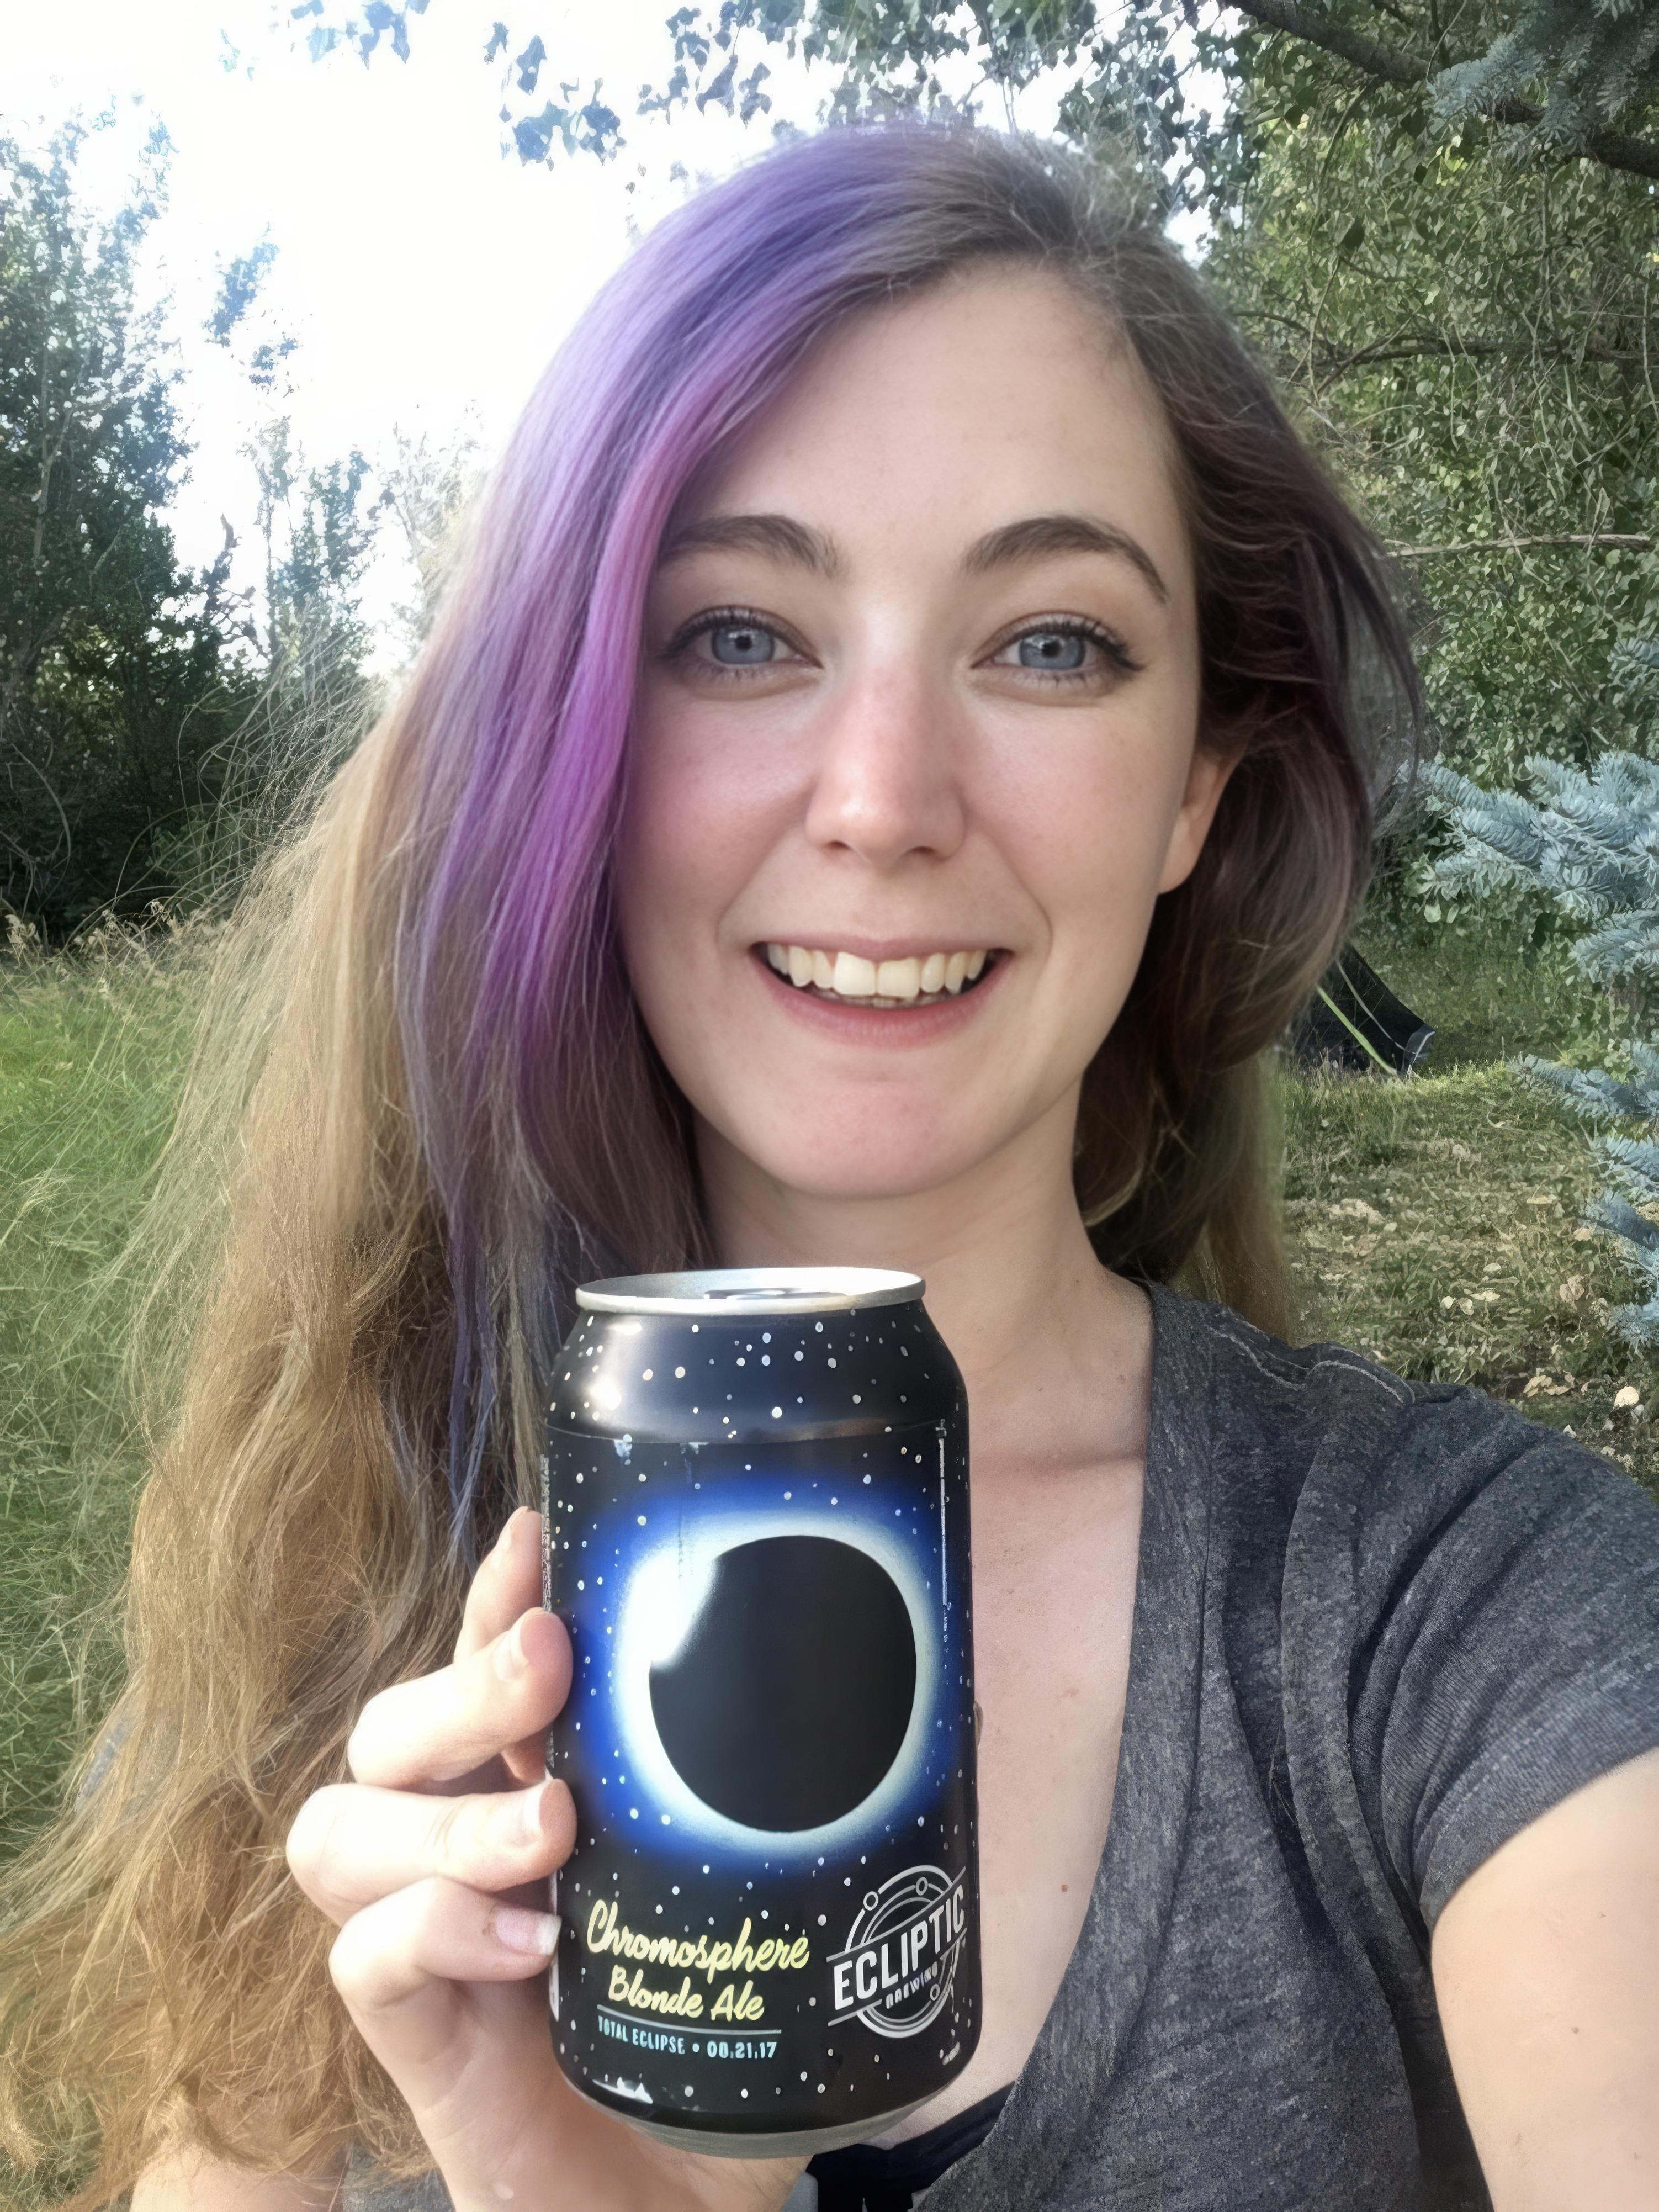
[(1589, 842)]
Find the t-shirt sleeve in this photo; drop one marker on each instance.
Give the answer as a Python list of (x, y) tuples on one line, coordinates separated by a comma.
[(1503, 1631)]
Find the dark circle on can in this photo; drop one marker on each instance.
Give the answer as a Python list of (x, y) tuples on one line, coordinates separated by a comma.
[(791, 1695)]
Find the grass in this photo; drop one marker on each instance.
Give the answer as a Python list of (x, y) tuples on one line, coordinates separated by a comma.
[(1434, 1223), (89, 1059)]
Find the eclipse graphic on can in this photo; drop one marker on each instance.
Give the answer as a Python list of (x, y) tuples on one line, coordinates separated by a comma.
[(755, 1506)]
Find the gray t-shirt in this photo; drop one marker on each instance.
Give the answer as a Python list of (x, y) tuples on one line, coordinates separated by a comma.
[(1378, 1627)]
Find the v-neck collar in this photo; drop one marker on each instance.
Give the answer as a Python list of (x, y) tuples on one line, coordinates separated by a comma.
[(1082, 2041)]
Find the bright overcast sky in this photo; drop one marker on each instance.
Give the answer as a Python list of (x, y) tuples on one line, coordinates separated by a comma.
[(426, 277)]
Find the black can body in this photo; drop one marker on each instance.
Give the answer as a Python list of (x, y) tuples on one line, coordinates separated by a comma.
[(755, 1518)]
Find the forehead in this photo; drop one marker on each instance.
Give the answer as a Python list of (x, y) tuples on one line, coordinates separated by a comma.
[(996, 394)]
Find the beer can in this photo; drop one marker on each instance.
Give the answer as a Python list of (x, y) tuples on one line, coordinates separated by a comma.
[(755, 1516)]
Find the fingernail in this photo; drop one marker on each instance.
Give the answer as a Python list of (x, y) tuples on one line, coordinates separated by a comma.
[(510, 1661), (505, 1536), (529, 1813), (533, 1934)]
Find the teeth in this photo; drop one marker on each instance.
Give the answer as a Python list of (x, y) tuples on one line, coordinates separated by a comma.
[(898, 979), (889, 983)]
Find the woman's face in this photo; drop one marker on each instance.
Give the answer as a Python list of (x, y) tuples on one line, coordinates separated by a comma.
[(913, 748)]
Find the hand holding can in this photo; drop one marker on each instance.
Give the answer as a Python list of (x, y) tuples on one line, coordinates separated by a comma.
[(434, 1863)]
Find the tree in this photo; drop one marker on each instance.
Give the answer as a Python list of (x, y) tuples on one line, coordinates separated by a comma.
[(116, 690), (1590, 63), (302, 640), (1556, 79), (317, 525), (317, 528), (428, 487), (1591, 848), (1471, 343)]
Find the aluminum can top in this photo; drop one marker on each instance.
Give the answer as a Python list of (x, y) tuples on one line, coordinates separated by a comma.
[(710, 1292), (774, 1353)]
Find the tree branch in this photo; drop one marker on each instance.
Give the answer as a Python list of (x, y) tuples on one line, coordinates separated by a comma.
[(51, 794), (1476, 349), (1613, 150), (1519, 544), (1376, 60)]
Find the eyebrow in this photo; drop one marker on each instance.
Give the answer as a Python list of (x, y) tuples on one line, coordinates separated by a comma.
[(785, 540), (1060, 533), (797, 545)]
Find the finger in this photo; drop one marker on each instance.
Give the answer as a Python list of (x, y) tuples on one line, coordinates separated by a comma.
[(389, 1955), (495, 1602), (508, 1579), (454, 1722), (352, 1844)]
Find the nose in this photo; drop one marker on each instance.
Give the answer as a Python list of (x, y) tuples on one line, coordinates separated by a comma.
[(888, 784)]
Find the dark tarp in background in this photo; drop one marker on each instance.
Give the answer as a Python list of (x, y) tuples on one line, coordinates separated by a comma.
[(1354, 1021)]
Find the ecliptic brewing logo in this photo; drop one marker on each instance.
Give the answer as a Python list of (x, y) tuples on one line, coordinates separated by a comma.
[(900, 1958)]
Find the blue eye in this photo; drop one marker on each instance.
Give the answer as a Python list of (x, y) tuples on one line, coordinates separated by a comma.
[(1052, 648), (741, 645)]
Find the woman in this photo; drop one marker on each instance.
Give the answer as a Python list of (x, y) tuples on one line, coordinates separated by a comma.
[(888, 769)]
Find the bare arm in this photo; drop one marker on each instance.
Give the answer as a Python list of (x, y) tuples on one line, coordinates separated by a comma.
[(1546, 1973)]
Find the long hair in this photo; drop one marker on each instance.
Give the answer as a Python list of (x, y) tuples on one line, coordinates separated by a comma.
[(424, 1104)]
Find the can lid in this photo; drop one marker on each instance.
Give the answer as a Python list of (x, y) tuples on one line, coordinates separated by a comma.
[(710, 1291)]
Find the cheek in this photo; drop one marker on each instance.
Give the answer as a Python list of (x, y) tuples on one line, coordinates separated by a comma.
[(698, 821), (664, 847), (1088, 825), (661, 884), (1088, 820)]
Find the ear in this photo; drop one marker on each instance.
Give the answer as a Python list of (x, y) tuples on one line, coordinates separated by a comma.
[(1206, 779)]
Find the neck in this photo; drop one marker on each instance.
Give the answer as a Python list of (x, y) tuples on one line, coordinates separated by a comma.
[(1013, 1284)]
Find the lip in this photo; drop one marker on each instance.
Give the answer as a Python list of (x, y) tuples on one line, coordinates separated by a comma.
[(897, 1026)]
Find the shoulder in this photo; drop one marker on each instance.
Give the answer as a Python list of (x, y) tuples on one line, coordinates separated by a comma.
[(1465, 1603), (1255, 1382), (1352, 1449)]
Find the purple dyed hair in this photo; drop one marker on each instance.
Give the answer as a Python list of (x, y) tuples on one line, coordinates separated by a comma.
[(552, 1139)]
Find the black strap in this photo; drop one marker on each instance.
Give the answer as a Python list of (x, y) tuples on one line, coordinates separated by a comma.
[(862, 2178)]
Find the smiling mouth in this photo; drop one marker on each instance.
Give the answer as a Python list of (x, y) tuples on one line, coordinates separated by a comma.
[(849, 979)]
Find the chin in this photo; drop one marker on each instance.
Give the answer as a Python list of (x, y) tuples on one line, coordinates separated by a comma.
[(852, 1171)]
